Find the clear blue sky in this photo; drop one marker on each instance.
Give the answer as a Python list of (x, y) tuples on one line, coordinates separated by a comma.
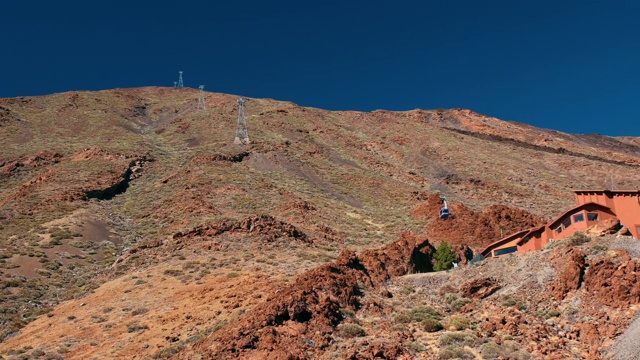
[(568, 65)]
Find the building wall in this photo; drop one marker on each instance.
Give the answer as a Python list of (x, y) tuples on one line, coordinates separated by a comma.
[(627, 207), (533, 241), (539, 238), (596, 196)]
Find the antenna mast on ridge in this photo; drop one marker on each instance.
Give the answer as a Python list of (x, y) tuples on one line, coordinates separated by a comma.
[(242, 134), (201, 104), (180, 83)]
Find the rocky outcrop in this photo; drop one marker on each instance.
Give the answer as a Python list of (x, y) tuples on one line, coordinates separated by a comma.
[(569, 277), (614, 279), (479, 288), (42, 158), (604, 227), (299, 322), (265, 225)]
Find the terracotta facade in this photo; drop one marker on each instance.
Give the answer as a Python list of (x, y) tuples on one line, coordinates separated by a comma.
[(592, 206)]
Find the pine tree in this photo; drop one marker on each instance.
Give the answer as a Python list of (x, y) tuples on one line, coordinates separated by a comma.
[(444, 257)]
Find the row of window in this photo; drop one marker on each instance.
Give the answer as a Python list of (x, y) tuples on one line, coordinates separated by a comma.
[(576, 219), (565, 224)]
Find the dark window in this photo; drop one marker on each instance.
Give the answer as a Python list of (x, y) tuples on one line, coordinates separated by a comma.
[(559, 229), (578, 218), (505, 251), (526, 240), (566, 223), (592, 216)]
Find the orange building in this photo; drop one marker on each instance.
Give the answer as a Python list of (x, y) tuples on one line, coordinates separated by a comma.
[(592, 206)]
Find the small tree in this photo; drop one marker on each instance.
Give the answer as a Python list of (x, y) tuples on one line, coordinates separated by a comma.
[(444, 257)]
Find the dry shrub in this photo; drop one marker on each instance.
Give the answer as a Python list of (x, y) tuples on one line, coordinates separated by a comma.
[(352, 330), (431, 325)]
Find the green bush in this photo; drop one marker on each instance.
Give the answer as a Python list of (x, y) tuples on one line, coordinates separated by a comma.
[(598, 248), (416, 346), (548, 313), (455, 352), (458, 338), (139, 311), (135, 326), (402, 319), (450, 297), (352, 330), (578, 238), (421, 313), (346, 312), (167, 352), (444, 257), (459, 323), (173, 272), (505, 351), (431, 325), (458, 303)]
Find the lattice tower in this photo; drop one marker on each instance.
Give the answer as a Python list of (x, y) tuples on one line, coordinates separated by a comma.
[(201, 103), (180, 83), (242, 134)]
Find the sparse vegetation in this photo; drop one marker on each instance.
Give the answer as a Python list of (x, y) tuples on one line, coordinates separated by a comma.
[(416, 346), (458, 338), (455, 352), (597, 249), (578, 238), (493, 351), (457, 323), (547, 313), (351, 330), (135, 327), (431, 325), (421, 313)]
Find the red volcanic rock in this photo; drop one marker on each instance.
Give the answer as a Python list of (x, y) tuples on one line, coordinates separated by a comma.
[(407, 255), (378, 350), (479, 288), (40, 159), (614, 281), (569, 277), (462, 253), (604, 227), (264, 225), (588, 335), (300, 320)]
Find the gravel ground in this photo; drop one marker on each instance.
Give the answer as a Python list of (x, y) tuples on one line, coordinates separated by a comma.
[(627, 346)]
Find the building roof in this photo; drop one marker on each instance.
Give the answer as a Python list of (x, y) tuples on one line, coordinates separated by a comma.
[(576, 209), (507, 239), (607, 191)]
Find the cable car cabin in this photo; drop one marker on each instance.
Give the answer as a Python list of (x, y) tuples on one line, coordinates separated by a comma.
[(444, 212)]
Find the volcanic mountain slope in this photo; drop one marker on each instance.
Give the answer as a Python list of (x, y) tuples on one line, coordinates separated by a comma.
[(133, 194)]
